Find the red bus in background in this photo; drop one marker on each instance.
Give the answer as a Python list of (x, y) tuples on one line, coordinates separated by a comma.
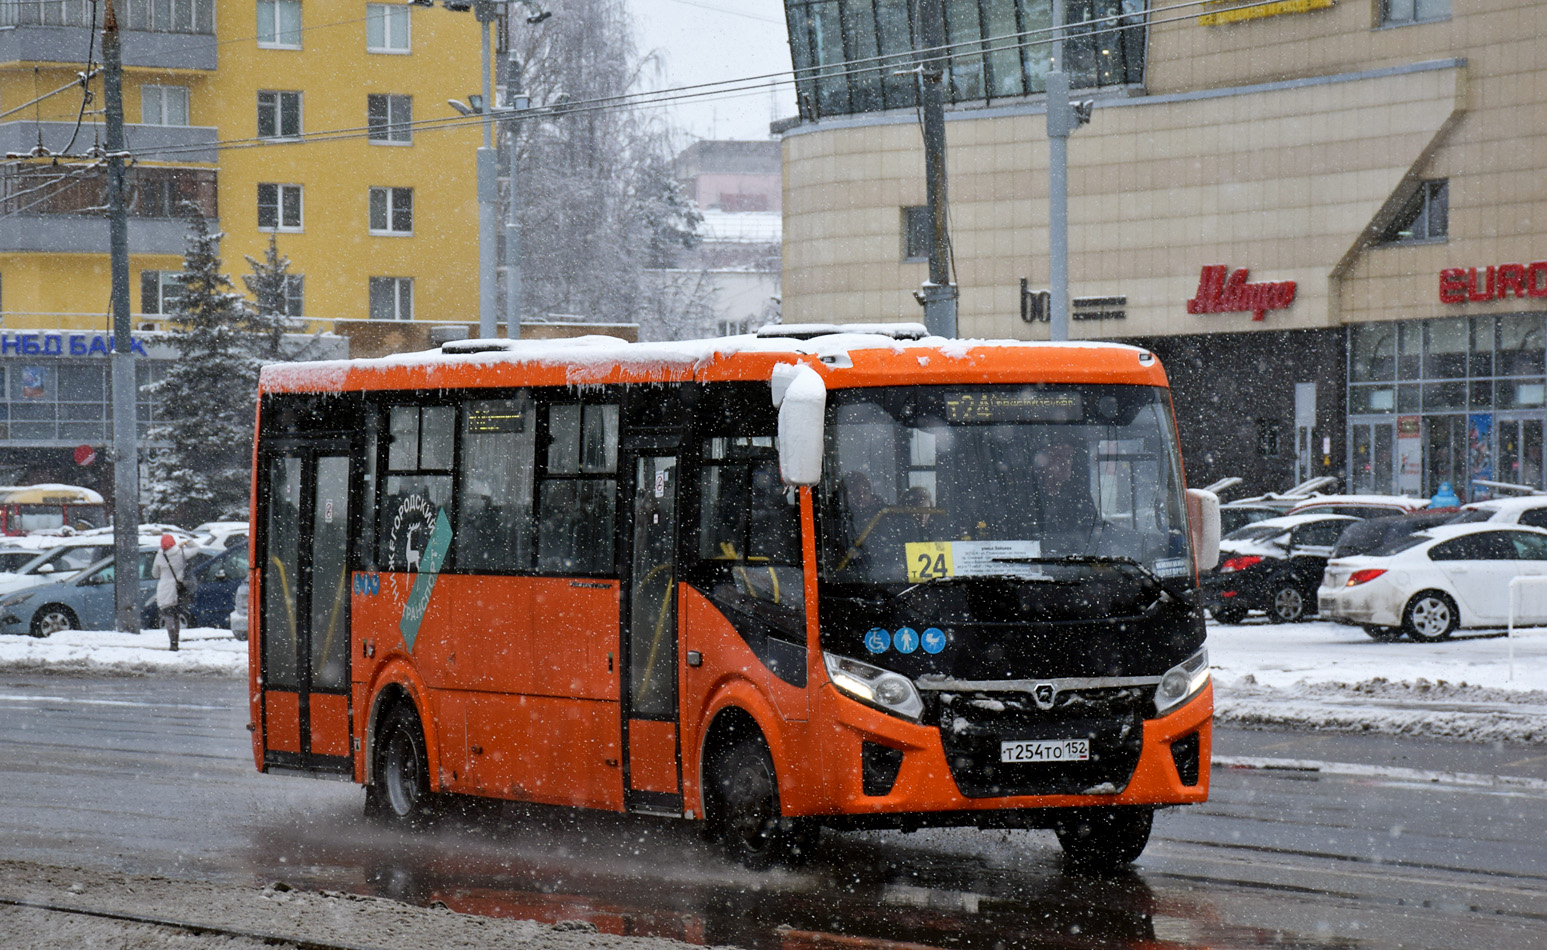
[(774, 583)]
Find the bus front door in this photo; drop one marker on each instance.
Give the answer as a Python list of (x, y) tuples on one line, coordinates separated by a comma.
[(305, 610), (651, 736)]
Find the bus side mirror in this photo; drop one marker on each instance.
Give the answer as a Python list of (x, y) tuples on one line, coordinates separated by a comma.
[(801, 397), (1203, 527)]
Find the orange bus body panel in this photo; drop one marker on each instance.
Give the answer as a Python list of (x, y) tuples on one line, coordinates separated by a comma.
[(329, 724), (282, 721), (652, 755)]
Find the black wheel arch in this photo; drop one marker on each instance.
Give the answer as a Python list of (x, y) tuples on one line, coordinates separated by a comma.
[(730, 727)]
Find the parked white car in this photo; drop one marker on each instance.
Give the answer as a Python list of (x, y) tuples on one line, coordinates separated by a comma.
[(1429, 583), (1529, 510), (1360, 506)]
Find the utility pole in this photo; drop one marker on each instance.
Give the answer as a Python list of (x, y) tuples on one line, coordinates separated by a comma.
[(1063, 117), (126, 456), (938, 295), (516, 101), (487, 12)]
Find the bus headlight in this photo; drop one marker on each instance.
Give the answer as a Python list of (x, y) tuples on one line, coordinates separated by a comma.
[(1182, 682), (892, 692)]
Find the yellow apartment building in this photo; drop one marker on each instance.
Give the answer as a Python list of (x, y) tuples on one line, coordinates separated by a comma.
[(297, 119), (1328, 217)]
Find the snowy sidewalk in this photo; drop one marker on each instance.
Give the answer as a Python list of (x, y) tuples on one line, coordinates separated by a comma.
[(1333, 676), (1316, 674)]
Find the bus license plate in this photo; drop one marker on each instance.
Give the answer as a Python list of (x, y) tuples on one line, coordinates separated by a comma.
[(1045, 750)]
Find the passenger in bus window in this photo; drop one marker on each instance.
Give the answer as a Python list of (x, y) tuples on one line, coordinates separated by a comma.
[(1062, 501)]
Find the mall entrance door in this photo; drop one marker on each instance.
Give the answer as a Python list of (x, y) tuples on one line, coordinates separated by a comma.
[(1518, 458)]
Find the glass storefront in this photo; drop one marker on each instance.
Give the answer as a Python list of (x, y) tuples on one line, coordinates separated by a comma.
[(1459, 399)]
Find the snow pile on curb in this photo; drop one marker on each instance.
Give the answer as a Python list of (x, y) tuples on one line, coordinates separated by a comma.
[(1331, 676), (203, 651)]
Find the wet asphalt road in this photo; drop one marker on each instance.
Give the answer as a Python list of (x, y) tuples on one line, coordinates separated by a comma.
[(1378, 849)]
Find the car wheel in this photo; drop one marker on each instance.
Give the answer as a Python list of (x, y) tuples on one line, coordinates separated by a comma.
[(1288, 604), (749, 823), (1228, 613), (1383, 634), (400, 790), (1104, 839), (51, 619), (1430, 617)]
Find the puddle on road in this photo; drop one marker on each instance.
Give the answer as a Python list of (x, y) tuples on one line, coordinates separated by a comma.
[(638, 877)]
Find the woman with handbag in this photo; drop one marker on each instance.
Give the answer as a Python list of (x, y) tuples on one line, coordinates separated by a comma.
[(170, 568)]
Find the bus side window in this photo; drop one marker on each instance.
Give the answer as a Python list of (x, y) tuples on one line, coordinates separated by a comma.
[(418, 483), (578, 495), (494, 502)]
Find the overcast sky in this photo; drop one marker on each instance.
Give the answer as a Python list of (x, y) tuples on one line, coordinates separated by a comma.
[(707, 41)]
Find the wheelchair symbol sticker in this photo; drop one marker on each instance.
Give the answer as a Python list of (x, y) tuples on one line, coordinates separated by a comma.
[(878, 639)]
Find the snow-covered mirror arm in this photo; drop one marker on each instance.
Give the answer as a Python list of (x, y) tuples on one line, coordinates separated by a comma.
[(801, 396), (1203, 525)]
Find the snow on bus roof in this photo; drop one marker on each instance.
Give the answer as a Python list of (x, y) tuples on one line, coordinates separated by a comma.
[(588, 358)]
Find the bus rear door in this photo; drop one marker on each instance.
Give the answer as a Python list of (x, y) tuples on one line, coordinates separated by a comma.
[(652, 736), (304, 582)]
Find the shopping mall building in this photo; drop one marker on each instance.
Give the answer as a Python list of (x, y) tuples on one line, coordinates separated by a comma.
[(1328, 217)]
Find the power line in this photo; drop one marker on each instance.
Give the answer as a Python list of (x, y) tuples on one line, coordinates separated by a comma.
[(976, 48)]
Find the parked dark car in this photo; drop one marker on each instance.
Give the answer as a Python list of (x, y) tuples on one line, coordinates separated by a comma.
[(215, 579), (1273, 565), (1370, 536)]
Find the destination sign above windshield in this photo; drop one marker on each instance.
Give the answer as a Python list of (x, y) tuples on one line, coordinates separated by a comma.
[(1016, 406)]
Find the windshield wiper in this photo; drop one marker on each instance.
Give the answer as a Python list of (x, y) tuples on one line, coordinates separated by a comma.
[(1114, 560), (944, 578)]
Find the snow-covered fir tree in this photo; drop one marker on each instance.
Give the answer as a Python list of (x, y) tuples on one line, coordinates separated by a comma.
[(269, 283), (206, 401)]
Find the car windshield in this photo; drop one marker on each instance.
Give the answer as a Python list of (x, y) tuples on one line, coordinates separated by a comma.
[(1472, 515), (928, 482), (1254, 532)]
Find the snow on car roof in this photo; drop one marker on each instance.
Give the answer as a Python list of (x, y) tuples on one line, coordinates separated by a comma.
[(1286, 522), (1441, 532), (1394, 501), (1522, 503)]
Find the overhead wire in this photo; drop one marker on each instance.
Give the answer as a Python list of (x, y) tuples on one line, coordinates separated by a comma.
[(741, 86)]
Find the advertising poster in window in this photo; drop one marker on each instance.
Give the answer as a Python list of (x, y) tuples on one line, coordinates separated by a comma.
[(34, 382), (1410, 455), (1479, 453)]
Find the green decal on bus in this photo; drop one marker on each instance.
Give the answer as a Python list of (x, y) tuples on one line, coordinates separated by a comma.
[(424, 584)]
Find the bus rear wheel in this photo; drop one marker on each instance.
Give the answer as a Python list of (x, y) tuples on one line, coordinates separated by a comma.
[(1104, 839), (748, 819), (399, 792)]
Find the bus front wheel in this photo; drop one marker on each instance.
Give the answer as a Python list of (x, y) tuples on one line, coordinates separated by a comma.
[(1104, 839), (749, 822), (400, 788)]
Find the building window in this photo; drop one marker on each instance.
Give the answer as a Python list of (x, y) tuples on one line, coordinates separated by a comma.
[(279, 207), (279, 114), (279, 24), (293, 300), (163, 105), (390, 119), (1403, 12), (158, 291), (1425, 217), (915, 233), (392, 211), (392, 298), (386, 27), (730, 326)]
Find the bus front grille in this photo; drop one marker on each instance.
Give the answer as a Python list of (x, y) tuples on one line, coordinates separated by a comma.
[(974, 724)]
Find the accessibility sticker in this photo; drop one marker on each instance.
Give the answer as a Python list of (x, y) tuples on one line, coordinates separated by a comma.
[(906, 640), (933, 640), (878, 639)]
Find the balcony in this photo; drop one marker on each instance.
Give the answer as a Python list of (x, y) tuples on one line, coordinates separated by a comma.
[(159, 34), (63, 210)]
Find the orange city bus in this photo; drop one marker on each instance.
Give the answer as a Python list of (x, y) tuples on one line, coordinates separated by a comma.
[(778, 582)]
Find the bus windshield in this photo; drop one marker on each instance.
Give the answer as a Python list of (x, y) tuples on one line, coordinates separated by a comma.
[(927, 483)]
